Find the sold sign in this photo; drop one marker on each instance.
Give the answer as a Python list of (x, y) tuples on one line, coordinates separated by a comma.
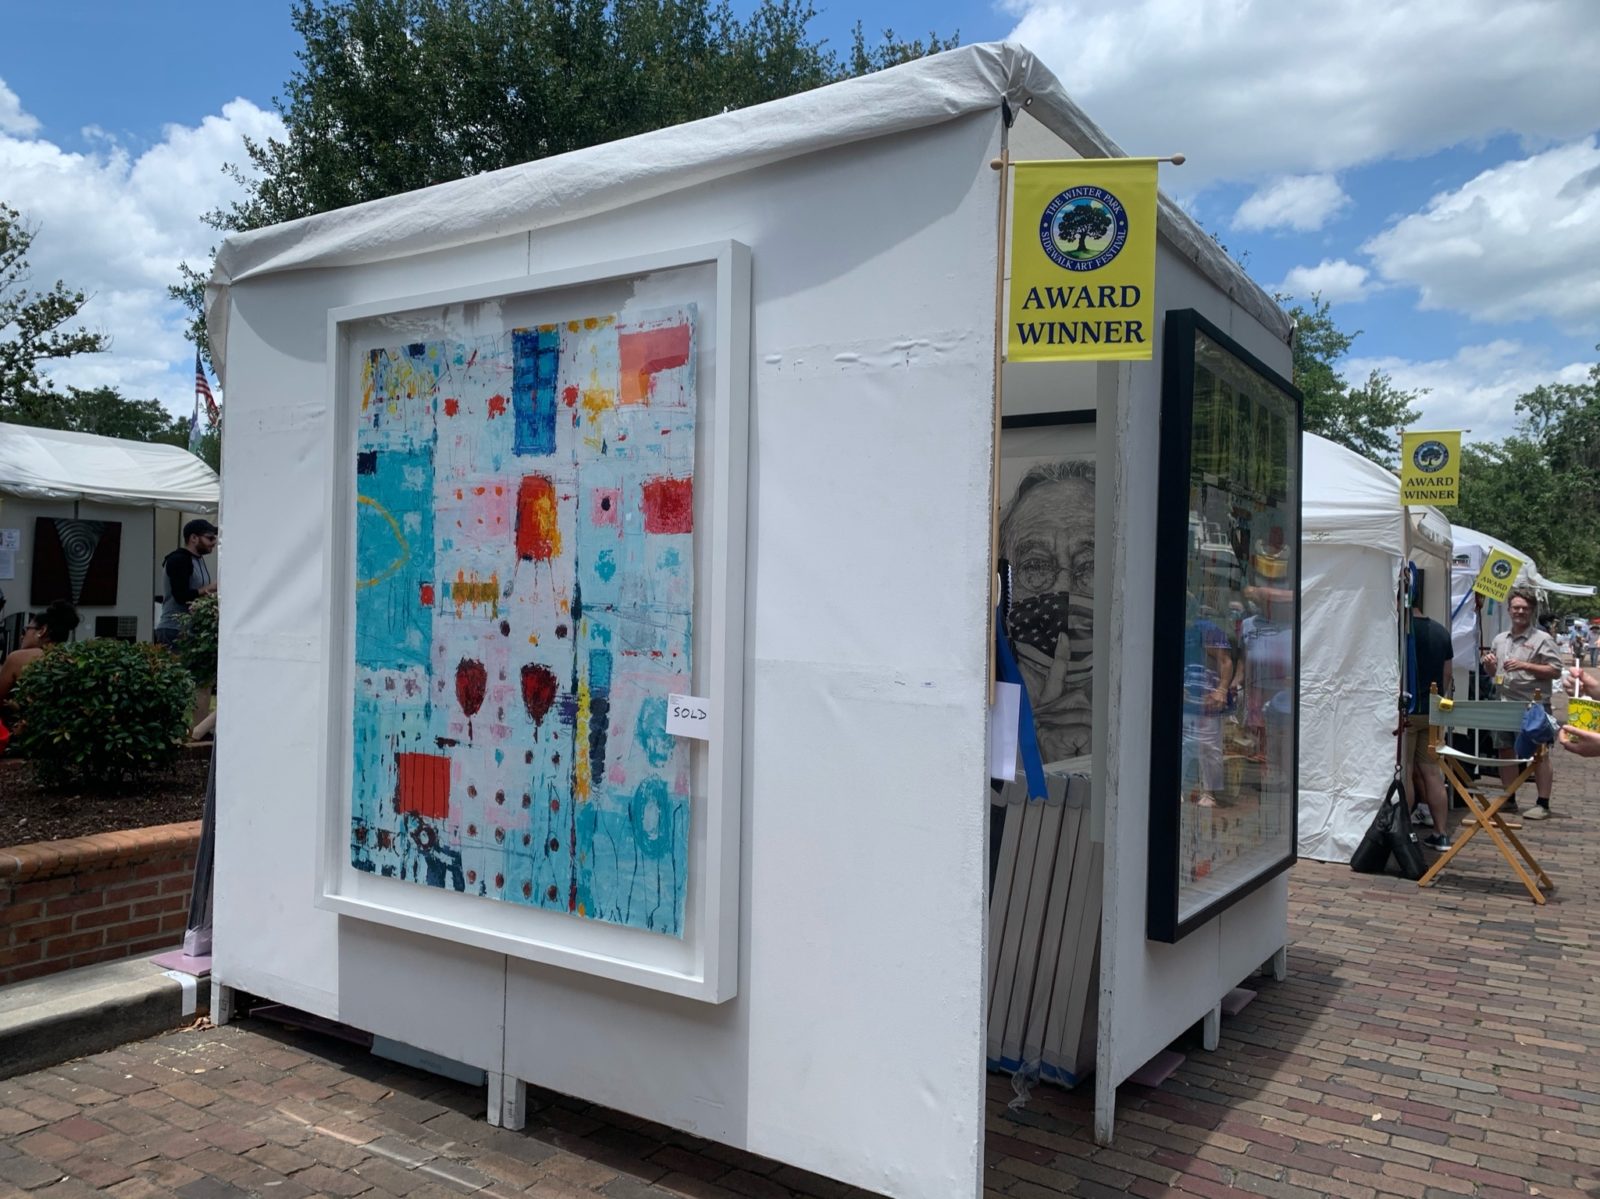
[(689, 716)]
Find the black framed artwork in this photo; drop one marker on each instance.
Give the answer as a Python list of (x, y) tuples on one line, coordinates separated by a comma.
[(77, 561), (1225, 686)]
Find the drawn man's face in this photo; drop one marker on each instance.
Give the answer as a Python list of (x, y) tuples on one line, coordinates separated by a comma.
[(1051, 543)]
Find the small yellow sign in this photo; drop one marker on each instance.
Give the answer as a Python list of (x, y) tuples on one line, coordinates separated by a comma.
[(1498, 576), (1430, 468), (1083, 260)]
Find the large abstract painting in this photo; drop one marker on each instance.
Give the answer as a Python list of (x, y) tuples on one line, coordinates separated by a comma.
[(524, 565)]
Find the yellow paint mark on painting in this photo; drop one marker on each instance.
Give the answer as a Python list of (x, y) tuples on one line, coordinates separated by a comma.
[(580, 771), (474, 590), (399, 538)]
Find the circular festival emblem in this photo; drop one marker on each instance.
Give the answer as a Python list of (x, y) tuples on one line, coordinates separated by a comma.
[(1431, 457), (1501, 569), (1083, 228)]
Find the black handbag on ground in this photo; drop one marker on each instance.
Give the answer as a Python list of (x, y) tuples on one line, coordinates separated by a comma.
[(1402, 837), (1372, 855)]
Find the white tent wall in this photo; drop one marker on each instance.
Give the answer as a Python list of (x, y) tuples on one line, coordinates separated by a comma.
[(1150, 992), (860, 1003)]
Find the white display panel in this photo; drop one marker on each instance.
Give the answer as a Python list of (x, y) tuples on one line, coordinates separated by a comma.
[(689, 950)]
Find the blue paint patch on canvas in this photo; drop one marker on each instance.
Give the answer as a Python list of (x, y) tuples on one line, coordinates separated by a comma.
[(536, 357)]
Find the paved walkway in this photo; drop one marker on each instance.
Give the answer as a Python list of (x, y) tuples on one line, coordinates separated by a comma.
[(1427, 1043)]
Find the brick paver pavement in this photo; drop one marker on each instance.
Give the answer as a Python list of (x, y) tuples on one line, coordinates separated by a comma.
[(1427, 1043)]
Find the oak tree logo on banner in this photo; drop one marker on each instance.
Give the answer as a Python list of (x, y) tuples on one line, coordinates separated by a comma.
[(1092, 218), (1431, 457), (1500, 568)]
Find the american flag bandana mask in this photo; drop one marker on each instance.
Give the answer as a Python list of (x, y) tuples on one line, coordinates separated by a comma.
[(1041, 620)]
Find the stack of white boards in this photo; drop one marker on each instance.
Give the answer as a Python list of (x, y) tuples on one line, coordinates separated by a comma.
[(1044, 931)]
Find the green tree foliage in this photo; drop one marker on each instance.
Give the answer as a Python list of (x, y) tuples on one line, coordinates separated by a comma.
[(100, 410), (34, 325), (392, 95), (1083, 221), (1539, 489), (1366, 419)]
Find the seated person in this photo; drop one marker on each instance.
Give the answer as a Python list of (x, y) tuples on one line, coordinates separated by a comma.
[(51, 627)]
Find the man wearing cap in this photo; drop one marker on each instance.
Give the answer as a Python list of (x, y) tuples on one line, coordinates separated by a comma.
[(188, 578)]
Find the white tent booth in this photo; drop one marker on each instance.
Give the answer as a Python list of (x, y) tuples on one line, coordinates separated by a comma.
[(776, 939), (1472, 627), (88, 519), (1356, 537)]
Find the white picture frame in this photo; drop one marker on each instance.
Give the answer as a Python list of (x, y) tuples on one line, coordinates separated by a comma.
[(702, 964)]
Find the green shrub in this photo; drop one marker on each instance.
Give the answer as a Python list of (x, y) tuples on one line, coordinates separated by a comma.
[(99, 713), (197, 643)]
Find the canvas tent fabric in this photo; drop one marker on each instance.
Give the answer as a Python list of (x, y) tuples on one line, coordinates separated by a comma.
[(1354, 536), (48, 464), (581, 184)]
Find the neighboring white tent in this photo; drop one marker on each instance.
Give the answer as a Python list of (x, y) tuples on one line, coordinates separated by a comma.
[(48, 464), (1353, 527), (1471, 549)]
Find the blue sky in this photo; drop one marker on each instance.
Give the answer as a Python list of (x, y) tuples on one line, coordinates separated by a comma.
[(1434, 169)]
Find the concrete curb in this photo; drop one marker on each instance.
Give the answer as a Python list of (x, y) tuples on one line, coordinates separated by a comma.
[(48, 1020)]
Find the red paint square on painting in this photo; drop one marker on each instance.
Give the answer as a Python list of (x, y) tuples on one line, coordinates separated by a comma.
[(668, 505), (424, 785)]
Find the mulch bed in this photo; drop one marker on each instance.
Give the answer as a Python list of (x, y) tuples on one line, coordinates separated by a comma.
[(30, 812)]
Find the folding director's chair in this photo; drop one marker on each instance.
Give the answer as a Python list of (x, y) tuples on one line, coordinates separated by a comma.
[(1491, 716)]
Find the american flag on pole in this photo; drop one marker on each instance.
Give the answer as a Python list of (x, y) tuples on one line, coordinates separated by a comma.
[(202, 391)]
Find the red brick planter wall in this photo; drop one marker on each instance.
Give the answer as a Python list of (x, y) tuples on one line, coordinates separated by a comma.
[(90, 899)]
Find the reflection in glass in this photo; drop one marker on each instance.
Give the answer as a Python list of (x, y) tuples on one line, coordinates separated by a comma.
[(1237, 773)]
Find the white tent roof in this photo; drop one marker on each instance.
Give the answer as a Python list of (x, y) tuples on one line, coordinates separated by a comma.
[(568, 187), (1347, 499), (47, 464), (1482, 543)]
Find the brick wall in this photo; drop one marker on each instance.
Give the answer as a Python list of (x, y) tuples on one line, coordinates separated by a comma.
[(90, 899)]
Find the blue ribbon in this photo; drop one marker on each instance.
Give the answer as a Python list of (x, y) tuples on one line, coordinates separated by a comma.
[(1027, 742)]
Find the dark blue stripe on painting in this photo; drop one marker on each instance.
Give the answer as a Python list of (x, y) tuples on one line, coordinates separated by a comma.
[(367, 462), (535, 356), (599, 711)]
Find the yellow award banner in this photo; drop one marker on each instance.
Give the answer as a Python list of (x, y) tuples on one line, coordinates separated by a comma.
[(1083, 260), (1497, 577), (1430, 468)]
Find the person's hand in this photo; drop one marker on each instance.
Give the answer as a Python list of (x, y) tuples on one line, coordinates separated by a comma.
[(1514, 664), (1590, 679), (1488, 659), (1583, 742), (209, 589)]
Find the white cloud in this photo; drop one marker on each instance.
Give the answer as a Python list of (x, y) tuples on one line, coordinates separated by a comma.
[(1518, 242), (1248, 88), (1334, 279), (1477, 388), (116, 225), (12, 118), (1303, 203)]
